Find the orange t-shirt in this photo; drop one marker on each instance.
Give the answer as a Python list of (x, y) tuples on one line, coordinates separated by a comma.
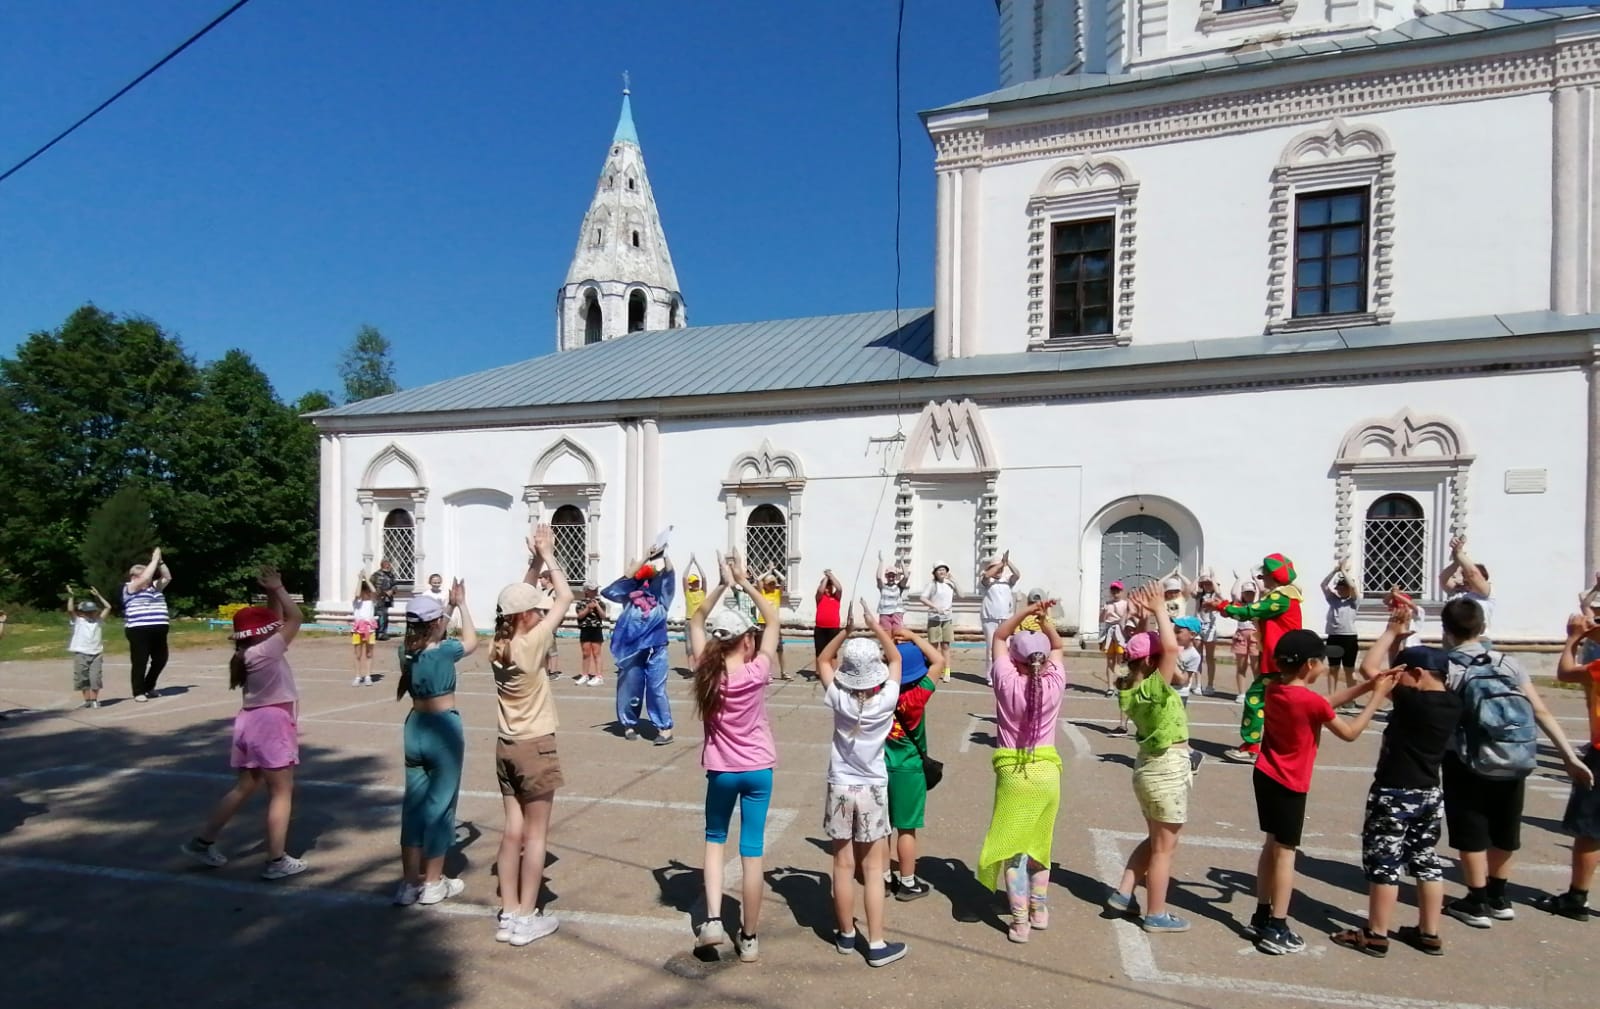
[(1591, 691)]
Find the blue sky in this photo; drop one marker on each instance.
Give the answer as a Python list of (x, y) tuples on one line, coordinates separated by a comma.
[(424, 166)]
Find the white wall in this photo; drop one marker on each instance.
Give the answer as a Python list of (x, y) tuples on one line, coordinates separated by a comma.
[(1472, 224)]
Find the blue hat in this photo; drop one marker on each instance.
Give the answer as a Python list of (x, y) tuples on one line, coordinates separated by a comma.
[(913, 664), (1191, 624), (1434, 660)]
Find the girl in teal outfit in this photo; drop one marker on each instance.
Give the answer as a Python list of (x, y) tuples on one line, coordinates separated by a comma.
[(1163, 772), (435, 745)]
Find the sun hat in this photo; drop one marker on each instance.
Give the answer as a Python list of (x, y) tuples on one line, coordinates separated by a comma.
[(1172, 585), (1298, 647), (1190, 624), (255, 622), (861, 665), (424, 609), (727, 624), (1434, 660), (520, 597), (913, 664), (88, 606), (1143, 645)]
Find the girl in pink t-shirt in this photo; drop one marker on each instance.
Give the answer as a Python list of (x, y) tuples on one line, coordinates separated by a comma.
[(266, 744), (1029, 678), (735, 659)]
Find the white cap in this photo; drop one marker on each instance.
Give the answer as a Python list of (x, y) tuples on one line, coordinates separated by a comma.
[(1172, 585), (727, 624)]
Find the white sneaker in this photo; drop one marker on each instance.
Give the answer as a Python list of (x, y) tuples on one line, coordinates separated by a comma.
[(141, 699), (533, 926), (356, 682), (279, 868), (433, 893), (505, 924), (206, 855), (749, 949), (406, 894), (711, 933)]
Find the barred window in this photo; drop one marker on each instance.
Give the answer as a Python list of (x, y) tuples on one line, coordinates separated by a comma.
[(400, 545), (1394, 547), (766, 541), (570, 530)]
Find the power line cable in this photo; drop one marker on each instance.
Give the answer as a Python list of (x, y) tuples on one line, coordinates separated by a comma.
[(191, 40)]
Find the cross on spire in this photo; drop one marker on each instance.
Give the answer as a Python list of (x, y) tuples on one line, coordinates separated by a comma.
[(625, 86)]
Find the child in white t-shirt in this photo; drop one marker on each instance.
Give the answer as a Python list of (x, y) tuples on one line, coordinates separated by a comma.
[(861, 680), (87, 645)]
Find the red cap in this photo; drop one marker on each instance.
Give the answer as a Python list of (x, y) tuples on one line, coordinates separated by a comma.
[(254, 622)]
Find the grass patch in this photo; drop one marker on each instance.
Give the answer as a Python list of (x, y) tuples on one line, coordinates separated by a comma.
[(44, 636)]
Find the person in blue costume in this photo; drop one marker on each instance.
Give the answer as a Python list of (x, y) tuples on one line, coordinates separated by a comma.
[(639, 644)]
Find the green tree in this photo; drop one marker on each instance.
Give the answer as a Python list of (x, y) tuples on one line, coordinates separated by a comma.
[(120, 534), (98, 404), (366, 368)]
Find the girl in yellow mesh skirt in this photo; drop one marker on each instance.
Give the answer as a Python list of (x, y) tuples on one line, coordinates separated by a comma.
[(1029, 678)]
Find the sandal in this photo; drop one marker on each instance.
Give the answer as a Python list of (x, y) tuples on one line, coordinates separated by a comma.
[(1417, 939), (1362, 941)]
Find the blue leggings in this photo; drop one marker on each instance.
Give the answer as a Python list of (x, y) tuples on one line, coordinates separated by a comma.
[(642, 684), (753, 789), (435, 744)]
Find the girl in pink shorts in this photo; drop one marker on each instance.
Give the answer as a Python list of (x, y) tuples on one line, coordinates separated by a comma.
[(266, 741)]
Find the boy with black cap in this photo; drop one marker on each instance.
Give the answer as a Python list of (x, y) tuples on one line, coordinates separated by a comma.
[(1405, 806), (1295, 715)]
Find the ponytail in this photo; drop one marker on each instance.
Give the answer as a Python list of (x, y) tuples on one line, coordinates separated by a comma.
[(505, 628), (237, 670)]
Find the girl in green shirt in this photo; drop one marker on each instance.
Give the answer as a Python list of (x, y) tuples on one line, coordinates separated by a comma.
[(1162, 774)]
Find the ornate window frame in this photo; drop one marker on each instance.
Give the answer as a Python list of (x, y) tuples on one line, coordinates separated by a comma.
[(543, 498), (1423, 457), (953, 428), (1214, 19), (375, 500), (1073, 190), (1337, 156), (767, 476)]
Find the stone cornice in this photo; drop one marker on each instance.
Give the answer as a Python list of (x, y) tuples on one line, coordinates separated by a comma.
[(1567, 62)]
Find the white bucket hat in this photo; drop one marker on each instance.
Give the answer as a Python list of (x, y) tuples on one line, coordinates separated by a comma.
[(728, 624), (861, 665)]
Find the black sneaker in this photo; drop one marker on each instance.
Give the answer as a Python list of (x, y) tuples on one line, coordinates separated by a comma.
[(911, 891), (1567, 905), (886, 954), (1258, 925), (1469, 912), (1279, 941), (1500, 909)]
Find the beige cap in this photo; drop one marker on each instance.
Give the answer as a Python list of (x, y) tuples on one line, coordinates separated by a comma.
[(520, 597)]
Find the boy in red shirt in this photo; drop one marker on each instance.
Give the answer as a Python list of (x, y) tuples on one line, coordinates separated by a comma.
[(1582, 818), (1295, 715)]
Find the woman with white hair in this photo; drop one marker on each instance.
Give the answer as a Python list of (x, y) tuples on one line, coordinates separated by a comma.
[(145, 623), (1029, 679), (735, 662)]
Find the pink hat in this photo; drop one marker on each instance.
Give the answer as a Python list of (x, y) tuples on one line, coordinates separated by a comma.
[(1026, 644), (1116, 585), (1143, 645)]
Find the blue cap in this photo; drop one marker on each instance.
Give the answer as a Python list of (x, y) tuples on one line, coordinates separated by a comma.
[(1434, 660), (1191, 624), (913, 664)]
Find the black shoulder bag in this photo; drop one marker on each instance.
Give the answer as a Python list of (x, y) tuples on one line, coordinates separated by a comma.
[(932, 770)]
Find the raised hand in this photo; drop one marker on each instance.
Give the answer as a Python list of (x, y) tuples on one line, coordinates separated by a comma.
[(458, 589), (542, 542), (736, 569), (724, 573), (269, 578)]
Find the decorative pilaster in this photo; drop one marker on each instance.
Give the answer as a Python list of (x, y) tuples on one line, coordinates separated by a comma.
[(903, 523), (365, 499), (969, 268), (944, 272), (1343, 520), (419, 501)]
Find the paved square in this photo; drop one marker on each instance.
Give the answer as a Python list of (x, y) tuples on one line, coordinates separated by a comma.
[(100, 908)]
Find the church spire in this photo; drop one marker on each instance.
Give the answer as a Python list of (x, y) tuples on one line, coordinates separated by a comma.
[(621, 279)]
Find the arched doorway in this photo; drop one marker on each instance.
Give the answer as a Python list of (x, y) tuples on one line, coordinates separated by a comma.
[(593, 323), (636, 310), (1136, 549)]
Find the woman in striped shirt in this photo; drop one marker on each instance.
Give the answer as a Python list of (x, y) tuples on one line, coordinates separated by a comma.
[(144, 622)]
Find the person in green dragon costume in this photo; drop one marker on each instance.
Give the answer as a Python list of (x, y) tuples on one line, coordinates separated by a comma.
[(1279, 613)]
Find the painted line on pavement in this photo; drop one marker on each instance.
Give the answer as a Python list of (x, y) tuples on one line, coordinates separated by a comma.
[(974, 722), (1075, 736), (311, 894)]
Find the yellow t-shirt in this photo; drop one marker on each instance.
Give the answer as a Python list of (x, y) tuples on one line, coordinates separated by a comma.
[(1033, 624), (527, 710), (692, 598), (775, 597)]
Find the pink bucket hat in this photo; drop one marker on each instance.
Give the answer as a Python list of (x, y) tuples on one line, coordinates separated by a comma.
[(1143, 645)]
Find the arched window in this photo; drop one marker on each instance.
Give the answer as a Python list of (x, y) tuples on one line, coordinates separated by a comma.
[(570, 530), (1394, 541), (636, 308), (635, 239), (400, 545), (630, 182), (1137, 549), (593, 324), (675, 314), (599, 237), (766, 540)]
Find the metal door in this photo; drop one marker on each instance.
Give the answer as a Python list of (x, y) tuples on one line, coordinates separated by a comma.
[(1137, 549)]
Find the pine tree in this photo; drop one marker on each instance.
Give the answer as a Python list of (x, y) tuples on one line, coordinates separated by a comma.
[(119, 535)]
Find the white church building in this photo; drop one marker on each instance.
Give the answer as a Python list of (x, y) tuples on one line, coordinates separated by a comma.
[(1214, 278)]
